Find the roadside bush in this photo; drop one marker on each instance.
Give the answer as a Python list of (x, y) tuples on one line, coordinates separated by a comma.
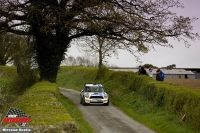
[(101, 72), (81, 76), (8, 71), (42, 99), (182, 101), (41, 102), (6, 97), (26, 80)]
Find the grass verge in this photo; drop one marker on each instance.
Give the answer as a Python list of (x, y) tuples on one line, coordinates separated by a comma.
[(75, 113), (47, 113), (50, 111), (157, 118), (133, 104), (7, 96)]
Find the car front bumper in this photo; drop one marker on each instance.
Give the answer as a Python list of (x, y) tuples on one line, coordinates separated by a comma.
[(96, 100)]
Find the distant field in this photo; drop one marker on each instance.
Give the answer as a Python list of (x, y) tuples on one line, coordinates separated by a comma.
[(192, 83)]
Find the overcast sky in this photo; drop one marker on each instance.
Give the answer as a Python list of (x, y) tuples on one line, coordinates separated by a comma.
[(163, 56)]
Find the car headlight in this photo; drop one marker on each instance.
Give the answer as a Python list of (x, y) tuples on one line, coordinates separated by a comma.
[(86, 95), (105, 95)]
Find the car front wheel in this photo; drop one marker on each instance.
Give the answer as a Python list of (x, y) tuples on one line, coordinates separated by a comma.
[(106, 104), (83, 101)]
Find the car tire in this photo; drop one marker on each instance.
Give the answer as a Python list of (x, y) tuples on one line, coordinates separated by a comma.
[(83, 101), (106, 104)]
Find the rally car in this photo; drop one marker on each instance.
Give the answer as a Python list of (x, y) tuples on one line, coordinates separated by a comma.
[(94, 94)]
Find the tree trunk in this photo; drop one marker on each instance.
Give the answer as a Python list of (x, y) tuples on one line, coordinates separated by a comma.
[(100, 61), (100, 71), (100, 57), (2, 61), (50, 51)]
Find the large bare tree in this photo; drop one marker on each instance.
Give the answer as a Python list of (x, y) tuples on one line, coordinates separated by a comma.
[(55, 23), (99, 45)]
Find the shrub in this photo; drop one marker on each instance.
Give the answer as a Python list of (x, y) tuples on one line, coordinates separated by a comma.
[(101, 72), (7, 71), (26, 80), (6, 97), (179, 100), (41, 102)]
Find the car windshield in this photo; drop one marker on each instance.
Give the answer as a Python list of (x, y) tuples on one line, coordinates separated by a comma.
[(94, 89)]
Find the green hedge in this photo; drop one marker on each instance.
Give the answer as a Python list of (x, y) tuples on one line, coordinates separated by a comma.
[(83, 75), (41, 103), (47, 113), (8, 71), (179, 100)]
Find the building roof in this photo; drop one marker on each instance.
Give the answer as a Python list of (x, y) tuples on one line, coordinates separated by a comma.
[(165, 71)]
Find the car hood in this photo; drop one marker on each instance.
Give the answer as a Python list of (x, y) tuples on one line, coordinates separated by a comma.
[(96, 93)]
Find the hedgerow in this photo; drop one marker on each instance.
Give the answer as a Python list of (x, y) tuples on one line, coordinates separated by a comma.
[(182, 101), (47, 113)]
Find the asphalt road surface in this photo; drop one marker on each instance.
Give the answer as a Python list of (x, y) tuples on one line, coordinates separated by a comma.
[(105, 119)]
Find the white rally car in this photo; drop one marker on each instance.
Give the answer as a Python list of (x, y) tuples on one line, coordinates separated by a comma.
[(94, 94)]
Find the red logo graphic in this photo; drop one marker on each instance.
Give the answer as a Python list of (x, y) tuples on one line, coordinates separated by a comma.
[(16, 116)]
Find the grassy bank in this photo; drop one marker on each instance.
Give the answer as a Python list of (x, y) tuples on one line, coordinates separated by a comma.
[(158, 105), (75, 113), (8, 71), (49, 110), (7, 96), (125, 92), (47, 113)]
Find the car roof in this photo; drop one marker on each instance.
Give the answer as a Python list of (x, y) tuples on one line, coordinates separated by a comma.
[(93, 85)]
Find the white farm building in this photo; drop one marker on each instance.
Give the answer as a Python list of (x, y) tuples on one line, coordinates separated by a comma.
[(169, 73)]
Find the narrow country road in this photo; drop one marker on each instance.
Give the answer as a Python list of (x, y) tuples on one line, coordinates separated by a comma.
[(105, 119)]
